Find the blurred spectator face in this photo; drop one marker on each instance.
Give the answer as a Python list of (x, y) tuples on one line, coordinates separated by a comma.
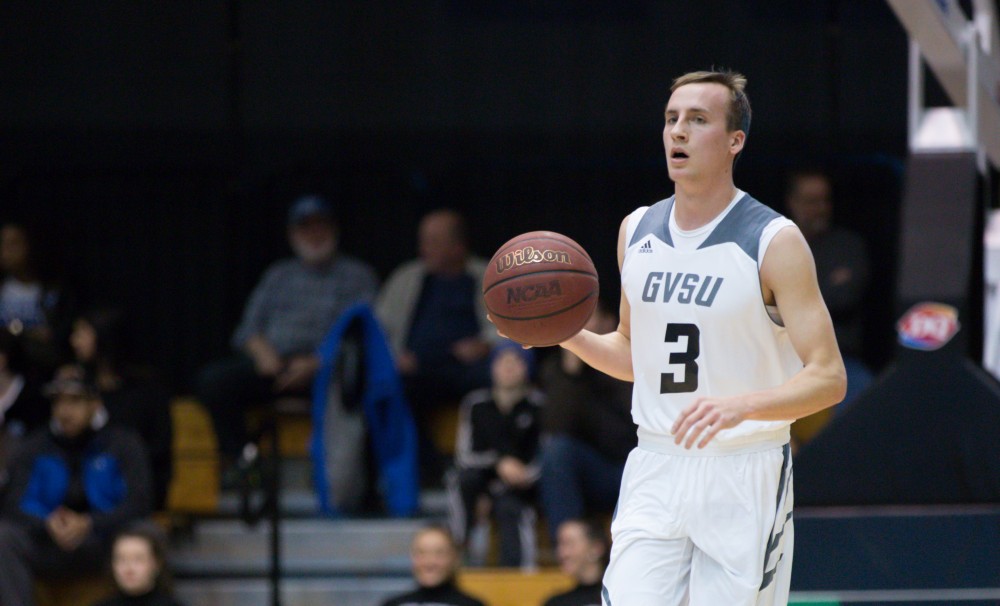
[(134, 565), (83, 340), (13, 249), (810, 204), (313, 239), (575, 550), (509, 370), (439, 243), (434, 558), (74, 412)]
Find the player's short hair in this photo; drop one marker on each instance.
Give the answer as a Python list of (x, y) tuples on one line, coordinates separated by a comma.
[(738, 115)]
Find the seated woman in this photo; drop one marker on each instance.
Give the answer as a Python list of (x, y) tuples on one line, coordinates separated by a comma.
[(138, 564), (434, 557)]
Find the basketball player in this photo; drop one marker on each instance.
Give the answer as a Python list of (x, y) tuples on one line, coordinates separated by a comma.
[(726, 336)]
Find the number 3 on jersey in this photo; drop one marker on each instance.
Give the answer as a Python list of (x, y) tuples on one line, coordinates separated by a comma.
[(668, 380)]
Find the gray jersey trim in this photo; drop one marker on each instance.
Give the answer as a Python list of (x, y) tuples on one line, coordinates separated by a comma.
[(656, 221), (742, 226)]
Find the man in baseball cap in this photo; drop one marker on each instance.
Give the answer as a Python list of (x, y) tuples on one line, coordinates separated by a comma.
[(71, 487)]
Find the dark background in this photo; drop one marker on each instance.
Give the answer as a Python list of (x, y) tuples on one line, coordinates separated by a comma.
[(156, 145)]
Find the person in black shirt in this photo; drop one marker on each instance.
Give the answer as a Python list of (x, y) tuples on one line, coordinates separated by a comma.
[(138, 564), (582, 549), (132, 395), (497, 456), (434, 557)]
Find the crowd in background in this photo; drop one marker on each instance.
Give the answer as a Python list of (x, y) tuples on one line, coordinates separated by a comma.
[(85, 433)]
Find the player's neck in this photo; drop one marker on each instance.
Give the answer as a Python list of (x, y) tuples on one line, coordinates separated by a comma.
[(697, 204)]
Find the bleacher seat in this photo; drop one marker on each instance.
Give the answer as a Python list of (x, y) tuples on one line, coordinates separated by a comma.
[(513, 587)]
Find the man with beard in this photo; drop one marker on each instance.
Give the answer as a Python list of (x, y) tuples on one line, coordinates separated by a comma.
[(289, 312)]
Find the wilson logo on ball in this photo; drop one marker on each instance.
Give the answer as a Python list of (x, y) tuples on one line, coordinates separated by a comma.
[(527, 294), (530, 254)]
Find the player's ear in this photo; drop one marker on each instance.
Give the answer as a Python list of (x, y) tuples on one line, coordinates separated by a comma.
[(736, 141)]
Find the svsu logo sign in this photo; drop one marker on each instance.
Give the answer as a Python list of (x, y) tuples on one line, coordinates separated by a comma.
[(928, 326)]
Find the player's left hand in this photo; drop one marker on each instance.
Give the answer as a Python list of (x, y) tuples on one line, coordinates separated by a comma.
[(705, 418)]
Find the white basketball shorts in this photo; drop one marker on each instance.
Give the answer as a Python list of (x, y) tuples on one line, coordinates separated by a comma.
[(702, 530)]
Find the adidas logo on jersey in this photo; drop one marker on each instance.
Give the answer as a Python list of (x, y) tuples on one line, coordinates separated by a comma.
[(647, 247)]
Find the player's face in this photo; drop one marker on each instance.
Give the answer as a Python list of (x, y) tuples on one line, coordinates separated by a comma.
[(433, 558), (696, 138), (134, 566)]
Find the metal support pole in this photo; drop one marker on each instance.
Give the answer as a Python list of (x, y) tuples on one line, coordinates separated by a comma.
[(274, 498), (915, 93)]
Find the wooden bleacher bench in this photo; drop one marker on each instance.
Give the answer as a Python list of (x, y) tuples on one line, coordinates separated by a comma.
[(513, 587), (82, 591), (194, 488)]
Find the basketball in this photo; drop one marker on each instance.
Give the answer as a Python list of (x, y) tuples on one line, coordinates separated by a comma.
[(540, 288)]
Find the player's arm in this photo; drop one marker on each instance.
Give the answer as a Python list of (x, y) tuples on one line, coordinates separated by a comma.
[(609, 353), (788, 275), (789, 272)]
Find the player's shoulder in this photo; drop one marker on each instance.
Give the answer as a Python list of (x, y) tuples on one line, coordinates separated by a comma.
[(645, 220), (750, 224)]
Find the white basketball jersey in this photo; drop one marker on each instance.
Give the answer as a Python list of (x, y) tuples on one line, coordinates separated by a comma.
[(699, 323)]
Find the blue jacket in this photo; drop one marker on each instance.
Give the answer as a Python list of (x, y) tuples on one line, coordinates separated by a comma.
[(114, 470), (390, 424)]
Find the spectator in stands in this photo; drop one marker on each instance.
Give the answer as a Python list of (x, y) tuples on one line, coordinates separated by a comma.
[(71, 487), (22, 407), (587, 433), (434, 558), (842, 267), (496, 456), (132, 396), (288, 314), (139, 568), (435, 319), (583, 549), (34, 306)]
